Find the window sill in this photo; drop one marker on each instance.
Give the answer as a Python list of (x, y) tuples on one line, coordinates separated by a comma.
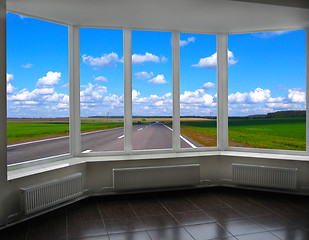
[(68, 162)]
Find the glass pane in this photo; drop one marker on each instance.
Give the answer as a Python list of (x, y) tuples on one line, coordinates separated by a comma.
[(101, 93), (152, 90), (267, 98), (37, 89), (198, 90)]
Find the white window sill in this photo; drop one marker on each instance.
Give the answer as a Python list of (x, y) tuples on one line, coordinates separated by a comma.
[(45, 167)]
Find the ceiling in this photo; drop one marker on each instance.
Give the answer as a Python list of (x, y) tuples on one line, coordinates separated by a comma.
[(210, 16)]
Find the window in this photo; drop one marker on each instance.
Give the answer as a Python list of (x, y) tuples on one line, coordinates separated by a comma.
[(198, 90), (267, 98), (152, 90), (37, 89), (101, 94)]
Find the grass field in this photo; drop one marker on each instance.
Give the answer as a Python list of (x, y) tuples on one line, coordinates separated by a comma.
[(33, 129), (272, 133)]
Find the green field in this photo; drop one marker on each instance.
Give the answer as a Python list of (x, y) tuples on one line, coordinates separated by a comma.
[(23, 131), (273, 133), (268, 133)]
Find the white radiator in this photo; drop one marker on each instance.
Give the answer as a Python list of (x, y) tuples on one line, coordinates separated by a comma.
[(47, 194), (265, 176), (154, 177)]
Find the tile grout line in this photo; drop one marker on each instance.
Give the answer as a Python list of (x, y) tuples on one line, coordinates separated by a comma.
[(27, 233), (98, 208), (248, 218), (138, 218), (210, 216), (66, 223), (175, 218)]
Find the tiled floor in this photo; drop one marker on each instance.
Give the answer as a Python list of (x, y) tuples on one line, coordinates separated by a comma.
[(211, 213)]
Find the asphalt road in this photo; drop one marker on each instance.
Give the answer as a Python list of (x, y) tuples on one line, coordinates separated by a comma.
[(147, 136)]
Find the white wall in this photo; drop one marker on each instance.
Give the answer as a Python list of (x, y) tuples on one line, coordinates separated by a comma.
[(98, 175)]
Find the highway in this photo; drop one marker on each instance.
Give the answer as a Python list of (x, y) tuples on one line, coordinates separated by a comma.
[(147, 136)]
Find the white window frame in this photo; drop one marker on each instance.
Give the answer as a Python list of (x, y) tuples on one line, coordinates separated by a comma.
[(222, 101)]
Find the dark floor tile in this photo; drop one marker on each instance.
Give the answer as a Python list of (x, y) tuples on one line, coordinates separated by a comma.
[(191, 218), (17, 232), (86, 210), (224, 214), (251, 210), (206, 201), (258, 236), (120, 225), (242, 226), (207, 231), (177, 204), (147, 207), (160, 221), (102, 237), (86, 229), (170, 234), (115, 209), (130, 236), (295, 233), (272, 222), (49, 226)]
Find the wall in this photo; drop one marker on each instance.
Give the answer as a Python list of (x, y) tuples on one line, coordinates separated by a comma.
[(98, 175), (3, 172)]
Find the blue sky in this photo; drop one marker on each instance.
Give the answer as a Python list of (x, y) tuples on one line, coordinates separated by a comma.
[(266, 71)]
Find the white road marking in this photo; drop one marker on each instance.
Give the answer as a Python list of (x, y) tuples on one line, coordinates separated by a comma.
[(121, 136), (56, 138), (87, 151), (37, 141), (139, 129), (186, 140)]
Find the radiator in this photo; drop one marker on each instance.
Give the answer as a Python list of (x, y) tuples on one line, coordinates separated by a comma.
[(154, 177), (265, 176), (47, 194)]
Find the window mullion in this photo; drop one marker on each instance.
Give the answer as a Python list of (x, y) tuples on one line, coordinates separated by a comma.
[(176, 91), (74, 82), (222, 96), (127, 64)]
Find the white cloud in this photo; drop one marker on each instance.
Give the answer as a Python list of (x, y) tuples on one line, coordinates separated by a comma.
[(208, 85), (159, 79), (259, 95), (270, 34), (9, 77), (107, 60), (44, 91), (211, 62), (238, 97), (101, 79), (62, 105), (147, 57), (92, 93), (296, 96), (183, 43), (164, 59), (275, 100), (143, 75), (28, 65), (56, 97), (278, 105), (135, 94), (51, 79), (9, 88), (197, 98)]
